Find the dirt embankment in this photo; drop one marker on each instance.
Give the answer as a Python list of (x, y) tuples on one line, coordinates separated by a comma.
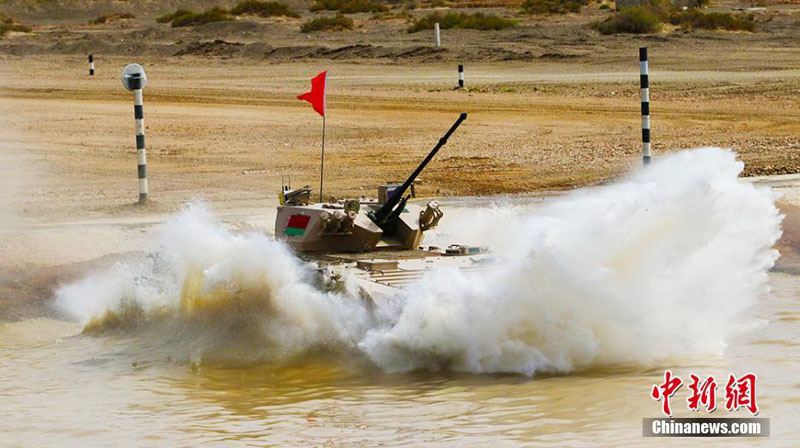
[(282, 41), (70, 12), (61, 27)]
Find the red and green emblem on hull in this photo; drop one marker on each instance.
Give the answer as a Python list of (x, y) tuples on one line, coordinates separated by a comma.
[(297, 225)]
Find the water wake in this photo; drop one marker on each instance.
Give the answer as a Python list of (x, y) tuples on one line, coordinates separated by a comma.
[(664, 263), (216, 291)]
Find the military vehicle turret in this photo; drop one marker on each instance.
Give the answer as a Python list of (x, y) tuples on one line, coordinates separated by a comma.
[(380, 237)]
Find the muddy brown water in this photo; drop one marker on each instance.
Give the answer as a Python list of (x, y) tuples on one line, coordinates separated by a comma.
[(59, 387)]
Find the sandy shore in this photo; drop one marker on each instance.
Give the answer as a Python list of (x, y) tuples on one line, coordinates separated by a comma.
[(227, 130)]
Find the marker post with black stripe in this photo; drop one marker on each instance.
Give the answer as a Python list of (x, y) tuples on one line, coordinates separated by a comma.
[(460, 76), (91, 65), (134, 79), (644, 79)]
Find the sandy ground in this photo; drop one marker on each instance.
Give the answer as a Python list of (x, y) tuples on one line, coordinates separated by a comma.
[(552, 105), (227, 130)]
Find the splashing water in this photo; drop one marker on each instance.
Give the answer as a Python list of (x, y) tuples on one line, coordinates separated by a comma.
[(664, 263), (216, 290)]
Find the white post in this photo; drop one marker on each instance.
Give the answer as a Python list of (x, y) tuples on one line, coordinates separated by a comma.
[(141, 155), (438, 35), (134, 79), (644, 80)]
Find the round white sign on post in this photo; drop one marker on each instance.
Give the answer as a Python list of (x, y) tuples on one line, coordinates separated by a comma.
[(133, 77)]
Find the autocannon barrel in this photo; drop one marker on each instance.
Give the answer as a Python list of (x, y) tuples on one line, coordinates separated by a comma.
[(384, 214)]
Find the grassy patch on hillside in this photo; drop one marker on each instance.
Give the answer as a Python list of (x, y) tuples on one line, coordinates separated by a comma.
[(183, 17), (348, 6), (634, 20), (263, 9), (336, 23), (9, 24), (646, 19), (167, 18), (476, 21), (552, 6), (108, 18), (693, 18)]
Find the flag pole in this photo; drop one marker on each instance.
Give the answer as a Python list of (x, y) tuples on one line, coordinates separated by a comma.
[(322, 160), (317, 99)]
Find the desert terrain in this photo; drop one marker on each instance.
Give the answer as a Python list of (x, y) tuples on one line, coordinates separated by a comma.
[(552, 105)]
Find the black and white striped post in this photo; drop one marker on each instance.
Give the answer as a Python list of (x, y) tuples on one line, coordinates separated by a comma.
[(134, 79), (644, 79), (91, 65), (460, 76)]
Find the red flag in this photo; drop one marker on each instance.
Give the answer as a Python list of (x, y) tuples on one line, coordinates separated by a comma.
[(317, 94)]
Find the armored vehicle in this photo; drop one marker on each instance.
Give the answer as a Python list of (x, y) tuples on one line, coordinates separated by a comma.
[(381, 238)]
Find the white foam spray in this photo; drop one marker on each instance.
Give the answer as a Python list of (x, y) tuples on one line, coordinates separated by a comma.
[(664, 263), (208, 283)]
